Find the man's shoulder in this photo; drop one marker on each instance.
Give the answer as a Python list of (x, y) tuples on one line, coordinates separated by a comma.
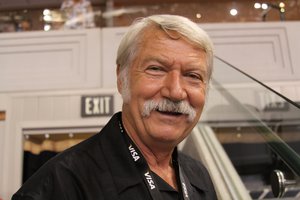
[(189, 162), (194, 170), (89, 149), (74, 155), (72, 166), (197, 175), (69, 169)]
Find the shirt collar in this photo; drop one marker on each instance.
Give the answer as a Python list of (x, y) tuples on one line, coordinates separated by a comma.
[(193, 171)]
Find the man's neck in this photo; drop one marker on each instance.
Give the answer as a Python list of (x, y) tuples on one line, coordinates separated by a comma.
[(159, 160), (163, 167), (154, 154), (157, 154)]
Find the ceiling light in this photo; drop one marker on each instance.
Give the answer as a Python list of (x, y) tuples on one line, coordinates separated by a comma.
[(281, 5), (257, 5), (46, 12), (233, 12), (47, 18), (198, 15), (264, 6), (47, 27)]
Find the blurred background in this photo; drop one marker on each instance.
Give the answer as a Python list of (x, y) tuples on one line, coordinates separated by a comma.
[(24, 15)]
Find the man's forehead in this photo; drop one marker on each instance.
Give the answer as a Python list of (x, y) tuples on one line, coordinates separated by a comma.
[(157, 30)]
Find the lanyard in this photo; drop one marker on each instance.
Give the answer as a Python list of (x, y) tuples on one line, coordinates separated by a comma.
[(184, 187), (147, 174)]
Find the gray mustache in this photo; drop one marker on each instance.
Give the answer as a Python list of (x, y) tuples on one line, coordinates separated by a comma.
[(166, 105)]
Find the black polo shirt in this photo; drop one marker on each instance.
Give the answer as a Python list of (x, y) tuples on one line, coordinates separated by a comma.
[(167, 192), (102, 168)]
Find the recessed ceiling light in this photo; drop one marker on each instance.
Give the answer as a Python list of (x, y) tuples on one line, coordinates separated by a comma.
[(257, 5), (233, 12)]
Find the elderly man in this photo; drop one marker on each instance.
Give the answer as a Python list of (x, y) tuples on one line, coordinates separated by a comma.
[(164, 64)]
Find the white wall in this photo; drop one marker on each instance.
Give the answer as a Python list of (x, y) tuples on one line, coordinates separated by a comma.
[(3, 107), (267, 51), (33, 61)]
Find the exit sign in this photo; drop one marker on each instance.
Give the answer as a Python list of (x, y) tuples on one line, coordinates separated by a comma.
[(97, 105)]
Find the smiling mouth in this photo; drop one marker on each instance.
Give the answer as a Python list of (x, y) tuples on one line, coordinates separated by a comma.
[(170, 113)]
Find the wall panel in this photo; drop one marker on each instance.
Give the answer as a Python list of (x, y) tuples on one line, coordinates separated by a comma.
[(50, 60), (261, 50)]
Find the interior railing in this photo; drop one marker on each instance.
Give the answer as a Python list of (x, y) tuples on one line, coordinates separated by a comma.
[(258, 128)]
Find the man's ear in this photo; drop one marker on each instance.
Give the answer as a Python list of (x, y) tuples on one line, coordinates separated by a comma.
[(119, 81)]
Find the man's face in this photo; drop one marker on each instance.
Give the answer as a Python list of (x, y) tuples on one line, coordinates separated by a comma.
[(164, 69)]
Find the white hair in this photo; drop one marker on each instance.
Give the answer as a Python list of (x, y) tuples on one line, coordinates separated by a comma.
[(128, 47)]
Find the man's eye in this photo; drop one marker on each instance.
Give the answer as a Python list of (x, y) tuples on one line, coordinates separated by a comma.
[(195, 76), (155, 70)]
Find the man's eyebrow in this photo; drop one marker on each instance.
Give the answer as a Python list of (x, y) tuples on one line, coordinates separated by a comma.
[(159, 59)]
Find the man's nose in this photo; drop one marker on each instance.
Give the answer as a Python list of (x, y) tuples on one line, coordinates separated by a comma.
[(174, 88)]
